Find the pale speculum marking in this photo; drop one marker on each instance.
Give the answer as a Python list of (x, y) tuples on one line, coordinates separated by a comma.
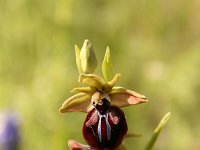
[(108, 128)]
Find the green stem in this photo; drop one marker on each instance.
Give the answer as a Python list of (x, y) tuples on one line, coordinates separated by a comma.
[(157, 131)]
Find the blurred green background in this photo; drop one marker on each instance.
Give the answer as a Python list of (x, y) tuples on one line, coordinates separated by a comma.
[(155, 45)]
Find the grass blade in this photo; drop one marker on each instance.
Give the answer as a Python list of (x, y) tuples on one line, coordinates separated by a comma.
[(157, 131)]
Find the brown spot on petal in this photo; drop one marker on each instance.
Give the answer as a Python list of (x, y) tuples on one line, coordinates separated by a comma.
[(114, 118)]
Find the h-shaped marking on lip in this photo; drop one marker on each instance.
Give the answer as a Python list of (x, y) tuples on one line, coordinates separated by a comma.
[(107, 127)]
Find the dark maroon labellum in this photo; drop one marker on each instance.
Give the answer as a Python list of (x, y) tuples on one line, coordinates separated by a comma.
[(104, 127)]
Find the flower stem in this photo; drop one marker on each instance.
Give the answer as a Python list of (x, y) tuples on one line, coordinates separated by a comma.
[(157, 131)]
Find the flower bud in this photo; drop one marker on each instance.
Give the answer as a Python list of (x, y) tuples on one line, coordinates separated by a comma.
[(88, 58)]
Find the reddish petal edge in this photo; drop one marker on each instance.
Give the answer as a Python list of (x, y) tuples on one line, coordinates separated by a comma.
[(74, 145)]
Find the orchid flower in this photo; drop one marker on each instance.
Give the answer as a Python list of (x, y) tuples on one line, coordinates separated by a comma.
[(105, 125)]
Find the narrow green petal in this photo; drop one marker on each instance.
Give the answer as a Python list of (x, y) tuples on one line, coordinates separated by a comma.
[(78, 60), (114, 80), (92, 80), (107, 87), (88, 57), (80, 102), (122, 97), (107, 68), (87, 90), (157, 131)]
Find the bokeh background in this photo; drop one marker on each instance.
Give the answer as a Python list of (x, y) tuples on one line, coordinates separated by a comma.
[(154, 44)]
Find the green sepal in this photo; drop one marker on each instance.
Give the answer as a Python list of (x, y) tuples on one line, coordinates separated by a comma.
[(80, 102), (78, 60), (107, 68)]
